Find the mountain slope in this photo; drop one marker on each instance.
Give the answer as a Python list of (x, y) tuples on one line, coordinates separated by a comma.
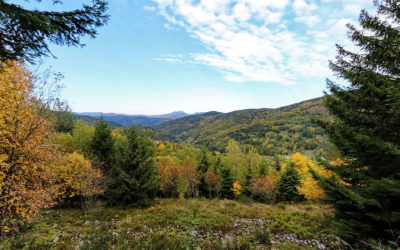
[(92, 121), (271, 131), (129, 120)]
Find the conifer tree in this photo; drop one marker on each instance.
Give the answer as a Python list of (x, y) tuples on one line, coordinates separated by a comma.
[(227, 182), (25, 34), (204, 165), (248, 177), (134, 176), (366, 128), (102, 143), (288, 183)]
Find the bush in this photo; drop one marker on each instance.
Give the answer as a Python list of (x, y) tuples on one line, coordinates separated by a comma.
[(264, 188), (263, 236)]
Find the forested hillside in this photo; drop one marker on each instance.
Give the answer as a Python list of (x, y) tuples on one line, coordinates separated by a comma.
[(92, 121), (271, 131), (130, 120)]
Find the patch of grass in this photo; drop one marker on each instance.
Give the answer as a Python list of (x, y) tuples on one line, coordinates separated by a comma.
[(175, 224)]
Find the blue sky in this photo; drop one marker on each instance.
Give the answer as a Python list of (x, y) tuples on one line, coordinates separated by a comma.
[(160, 56)]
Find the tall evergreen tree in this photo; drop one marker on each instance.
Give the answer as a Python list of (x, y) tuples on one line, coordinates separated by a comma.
[(134, 177), (204, 164), (366, 128), (102, 143), (247, 186), (288, 183), (227, 183), (24, 33)]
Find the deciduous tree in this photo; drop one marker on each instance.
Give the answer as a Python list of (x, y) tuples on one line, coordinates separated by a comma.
[(264, 188), (27, 159)]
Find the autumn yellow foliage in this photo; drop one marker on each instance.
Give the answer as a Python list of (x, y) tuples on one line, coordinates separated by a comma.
[(237, 188), (78, 177), (169, 174), (27, 159), (309, 186)]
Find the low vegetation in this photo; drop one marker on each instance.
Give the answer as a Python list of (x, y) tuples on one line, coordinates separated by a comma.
[(182, 224)]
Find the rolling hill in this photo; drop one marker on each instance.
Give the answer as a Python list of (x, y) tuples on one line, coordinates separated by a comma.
[(92, 121), (129, 120), (271, 131)]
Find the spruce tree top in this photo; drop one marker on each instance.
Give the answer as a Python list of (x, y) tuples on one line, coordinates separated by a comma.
[(24, 33), (102, 142), (366, 128)]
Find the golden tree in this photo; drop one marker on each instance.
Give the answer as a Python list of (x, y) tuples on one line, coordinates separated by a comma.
[(309, 186), (213, 181), (80, 178), (169, 175), (27, 159), (191, 175), (264, 188)]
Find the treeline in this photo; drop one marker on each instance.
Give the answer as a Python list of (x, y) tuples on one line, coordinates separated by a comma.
[(179, 170), (239, 173)]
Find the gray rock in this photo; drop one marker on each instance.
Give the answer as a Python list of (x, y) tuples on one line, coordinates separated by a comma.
[(55, 239)]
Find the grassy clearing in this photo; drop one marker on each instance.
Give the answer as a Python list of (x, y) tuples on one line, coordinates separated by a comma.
[(181, 224)]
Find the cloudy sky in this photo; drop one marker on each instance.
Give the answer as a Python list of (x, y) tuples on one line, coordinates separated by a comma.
[(160, 56)]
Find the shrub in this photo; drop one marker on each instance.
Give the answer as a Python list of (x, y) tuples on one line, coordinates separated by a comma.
[(264, 188)]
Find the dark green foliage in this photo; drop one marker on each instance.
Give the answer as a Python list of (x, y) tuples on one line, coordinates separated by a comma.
[(366, 128), (102, 143), (277, 163), (64, 122), (227, 183), (24, 33), (203, 166), (249, 176), (155, 134), (134, 176), (288, 183)]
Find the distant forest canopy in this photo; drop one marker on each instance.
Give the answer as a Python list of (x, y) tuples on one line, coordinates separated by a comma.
[(280, 131), (128, 120)]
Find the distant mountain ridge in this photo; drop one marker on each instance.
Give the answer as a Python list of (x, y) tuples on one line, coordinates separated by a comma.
[(129, 120), (92, 121)]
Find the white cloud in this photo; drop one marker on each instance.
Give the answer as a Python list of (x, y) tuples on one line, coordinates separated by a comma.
[(149, 8), (264, 41)]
